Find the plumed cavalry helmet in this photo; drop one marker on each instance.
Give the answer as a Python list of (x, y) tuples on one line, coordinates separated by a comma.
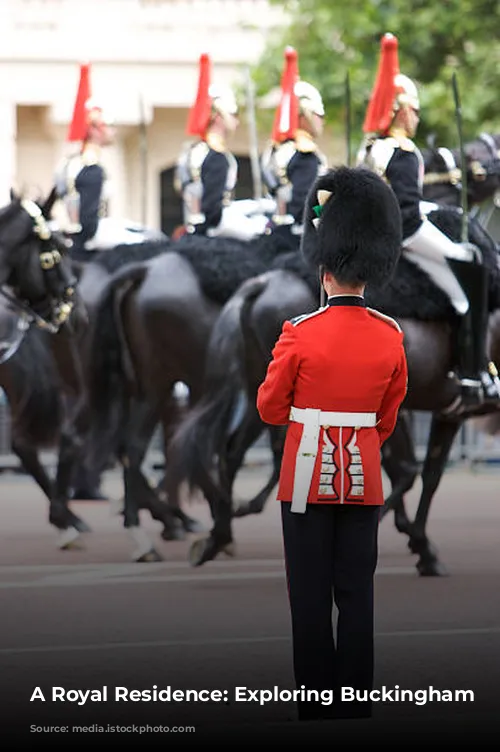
[(297, 98), (392, 89), (86, 111), (352, 226), (310, 101), (210, 99)]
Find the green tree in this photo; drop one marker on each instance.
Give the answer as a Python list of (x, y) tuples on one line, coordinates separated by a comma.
[(334, 39)]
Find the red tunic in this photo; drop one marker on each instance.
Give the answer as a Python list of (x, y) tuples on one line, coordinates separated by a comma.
[(344, 358)]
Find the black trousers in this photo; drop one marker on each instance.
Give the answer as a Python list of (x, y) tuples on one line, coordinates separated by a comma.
[(331, 554)]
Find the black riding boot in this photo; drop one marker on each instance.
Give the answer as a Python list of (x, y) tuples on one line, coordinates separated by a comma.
[(478, 377)]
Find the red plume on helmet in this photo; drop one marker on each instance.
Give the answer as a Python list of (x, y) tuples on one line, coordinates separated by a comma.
[(286, 119), (200, 112), (79, 122), (381, 106)]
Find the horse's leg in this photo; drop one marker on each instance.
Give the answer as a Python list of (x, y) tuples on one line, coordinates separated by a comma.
[(401, 466), (28, 456), (86, 483), (441, 437), (220, 539), (138, 493), (252, 430), (169, 415), (70, 448)]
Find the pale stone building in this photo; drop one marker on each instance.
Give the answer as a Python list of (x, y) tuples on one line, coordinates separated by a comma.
[(144, 56)]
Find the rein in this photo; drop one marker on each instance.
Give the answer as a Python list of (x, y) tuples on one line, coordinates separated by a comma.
[(50, 259)]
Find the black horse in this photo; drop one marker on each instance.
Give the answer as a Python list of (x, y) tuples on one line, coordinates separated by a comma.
[(40, 302), (151, 331), (208, 447), (443, 172), (132, 347), (44, 357)]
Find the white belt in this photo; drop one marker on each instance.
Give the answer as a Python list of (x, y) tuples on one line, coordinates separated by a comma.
[(312, 421)]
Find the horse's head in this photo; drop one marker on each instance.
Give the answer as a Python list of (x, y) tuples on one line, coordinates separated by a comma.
[(483, 157), (443, 173), (35, 271)]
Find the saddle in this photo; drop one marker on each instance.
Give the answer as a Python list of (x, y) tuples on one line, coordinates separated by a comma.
[(411, 293)]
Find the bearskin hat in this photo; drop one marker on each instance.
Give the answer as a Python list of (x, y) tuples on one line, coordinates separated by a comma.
[(352, 226)]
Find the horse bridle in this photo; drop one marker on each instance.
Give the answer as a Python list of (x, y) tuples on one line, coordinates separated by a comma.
[(50, 260)]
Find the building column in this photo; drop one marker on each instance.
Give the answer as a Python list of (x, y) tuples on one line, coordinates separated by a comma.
[(8, 149)]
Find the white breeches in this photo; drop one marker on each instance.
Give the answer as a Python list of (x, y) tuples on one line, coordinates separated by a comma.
[(441, 274), (112, 232), (242, 220), (428, 248)]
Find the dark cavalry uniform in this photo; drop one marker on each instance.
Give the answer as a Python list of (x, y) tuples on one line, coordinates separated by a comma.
[(81, 187), (397, 159), (206, 176), (339, 376), (456, 268), (289, 170)]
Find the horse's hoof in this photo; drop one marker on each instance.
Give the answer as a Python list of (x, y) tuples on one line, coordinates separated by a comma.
[(78, 523), (149, 556), (69, 539), (432, 568), (206, 549), (199, 552)]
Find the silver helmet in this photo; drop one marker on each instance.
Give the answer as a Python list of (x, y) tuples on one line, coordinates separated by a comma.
[(310, 101), (406, 93), (223, 100)]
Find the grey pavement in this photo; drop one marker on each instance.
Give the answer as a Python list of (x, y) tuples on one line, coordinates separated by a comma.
[(90, 618)]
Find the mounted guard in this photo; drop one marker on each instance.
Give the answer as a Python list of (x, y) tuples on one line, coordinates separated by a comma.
[(456, 268), (207, 172), (82, 184), (293, 161)]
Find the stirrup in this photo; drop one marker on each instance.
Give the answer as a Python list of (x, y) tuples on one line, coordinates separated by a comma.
[(491, 383), (471, 395)]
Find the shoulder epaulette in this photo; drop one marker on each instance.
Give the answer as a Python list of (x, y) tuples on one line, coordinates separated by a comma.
[(304, 143), (305, 316), (383, 317), (90, 156), (403, 142), (216, 142)]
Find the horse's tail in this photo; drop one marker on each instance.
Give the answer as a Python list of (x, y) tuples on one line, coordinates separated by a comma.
[(109, 364), (36, 407), (202, 434)]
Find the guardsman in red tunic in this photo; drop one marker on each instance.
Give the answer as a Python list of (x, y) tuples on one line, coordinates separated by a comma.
[(337, 378)]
